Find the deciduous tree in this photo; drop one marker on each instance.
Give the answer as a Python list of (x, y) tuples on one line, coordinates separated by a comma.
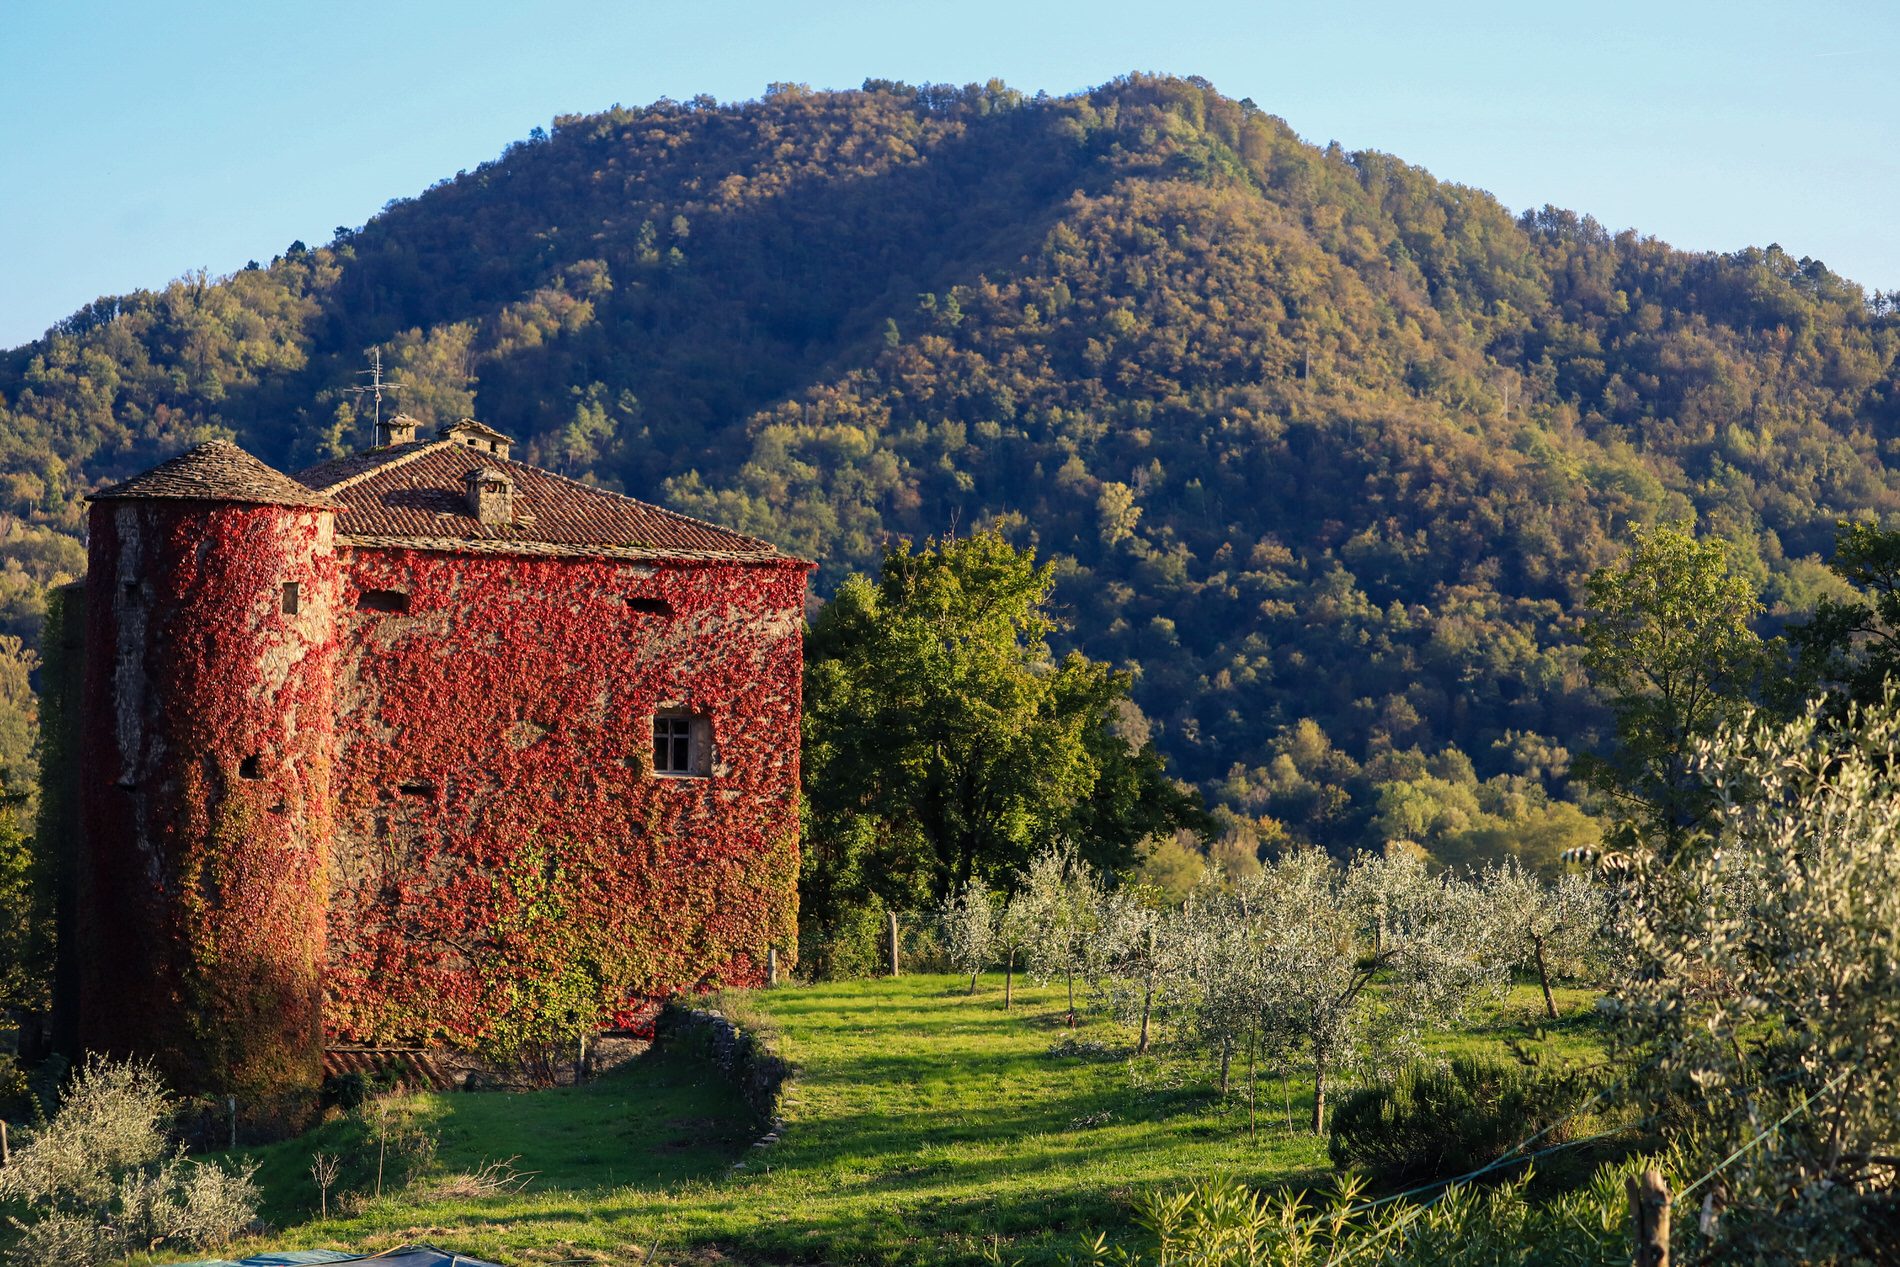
[(1670, 641), (945, 740)]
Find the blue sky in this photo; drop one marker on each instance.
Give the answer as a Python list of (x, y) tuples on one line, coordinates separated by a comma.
[(144, 140)]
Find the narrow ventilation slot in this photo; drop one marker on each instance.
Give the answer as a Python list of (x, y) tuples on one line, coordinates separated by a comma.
[(650, 606), (416, 789), (383, 601)]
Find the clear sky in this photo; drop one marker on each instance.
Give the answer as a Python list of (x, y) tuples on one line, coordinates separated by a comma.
[(141, 140)]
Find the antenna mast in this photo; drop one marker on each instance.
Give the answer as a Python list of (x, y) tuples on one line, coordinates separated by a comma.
[(375, 388)]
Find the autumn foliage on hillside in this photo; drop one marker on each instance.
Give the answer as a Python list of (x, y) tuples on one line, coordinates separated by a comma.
[(1323, 447)]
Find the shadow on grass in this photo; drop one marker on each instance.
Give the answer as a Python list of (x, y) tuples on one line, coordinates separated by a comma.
[(922, 1122), (661, 1119)]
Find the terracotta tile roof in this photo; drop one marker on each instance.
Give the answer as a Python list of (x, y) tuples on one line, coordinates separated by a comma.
[(414, 1067), (217, 470), (413, 496)]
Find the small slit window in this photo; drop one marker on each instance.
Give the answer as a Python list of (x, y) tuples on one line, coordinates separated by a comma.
[(252, 767), (383, 601), (682, 745), (292, 598), (650, 606)]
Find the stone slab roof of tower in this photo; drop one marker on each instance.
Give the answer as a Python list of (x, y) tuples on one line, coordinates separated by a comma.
[(217, 470), (414, 496)]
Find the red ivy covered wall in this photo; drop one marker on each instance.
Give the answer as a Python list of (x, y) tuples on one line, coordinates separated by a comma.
[(503, 844), (207, 739), (416, 800)]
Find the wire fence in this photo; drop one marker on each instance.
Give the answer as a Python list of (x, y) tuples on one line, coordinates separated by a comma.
[(1516, 1155)]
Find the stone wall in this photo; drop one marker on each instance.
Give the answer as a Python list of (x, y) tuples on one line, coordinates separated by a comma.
[(755, 1070)]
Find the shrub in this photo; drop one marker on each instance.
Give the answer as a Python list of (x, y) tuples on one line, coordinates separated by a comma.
[(111, 1120), (1433, 1121), (852, 944), (856, 943), (16, 1091), (378, 1149), (1219, 1222), (100, 1180), (347, 1091)]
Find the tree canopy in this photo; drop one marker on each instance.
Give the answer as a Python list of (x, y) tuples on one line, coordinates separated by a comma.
[(1670, 639), (945, 741)]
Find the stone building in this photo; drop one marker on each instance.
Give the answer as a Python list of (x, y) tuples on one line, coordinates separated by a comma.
[(424, 745)]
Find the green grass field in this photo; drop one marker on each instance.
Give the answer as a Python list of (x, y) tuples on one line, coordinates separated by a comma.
[(921, 1123)]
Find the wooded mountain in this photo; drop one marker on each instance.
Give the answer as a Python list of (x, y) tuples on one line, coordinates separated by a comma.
[(1324, 446)]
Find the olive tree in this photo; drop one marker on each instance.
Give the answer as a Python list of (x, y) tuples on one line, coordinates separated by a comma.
[(969, 917), (99, 1180), (1554, 929), (1062, 902), (1764, 984), (1222, 993), (1137, 961), (1296, 950)]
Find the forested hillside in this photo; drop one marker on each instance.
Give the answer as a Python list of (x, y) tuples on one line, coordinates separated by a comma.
[(1324, 446)]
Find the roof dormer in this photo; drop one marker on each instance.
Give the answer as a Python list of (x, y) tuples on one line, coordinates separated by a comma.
[(477, 436)]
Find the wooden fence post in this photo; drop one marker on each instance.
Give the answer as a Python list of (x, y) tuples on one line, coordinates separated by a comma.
[(893, 943), (771, 965), (231, 1101), (1649, 1218)]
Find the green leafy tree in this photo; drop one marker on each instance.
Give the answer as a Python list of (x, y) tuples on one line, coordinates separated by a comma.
[(1669, 640), (25, 950), (1850, 647), (945, 741)]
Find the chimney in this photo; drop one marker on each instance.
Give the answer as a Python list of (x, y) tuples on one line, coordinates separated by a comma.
[(477, 435), (398, 430), (491, 496)]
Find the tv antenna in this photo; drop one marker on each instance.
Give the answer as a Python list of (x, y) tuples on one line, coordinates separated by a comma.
[(376, 386)]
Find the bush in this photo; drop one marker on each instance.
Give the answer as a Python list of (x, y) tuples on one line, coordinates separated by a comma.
[(1434, 1121), (380, 1150), (17, 1102), (1219, 1222), (858, 944), (101, 1180), (346, 1091)]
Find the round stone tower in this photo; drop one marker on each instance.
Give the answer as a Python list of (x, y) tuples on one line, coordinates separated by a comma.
[(207, 738)]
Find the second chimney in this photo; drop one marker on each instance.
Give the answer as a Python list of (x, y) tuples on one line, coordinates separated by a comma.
[(398, 430)]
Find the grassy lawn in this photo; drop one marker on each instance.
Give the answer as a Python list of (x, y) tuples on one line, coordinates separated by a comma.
[(922, 1123)]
